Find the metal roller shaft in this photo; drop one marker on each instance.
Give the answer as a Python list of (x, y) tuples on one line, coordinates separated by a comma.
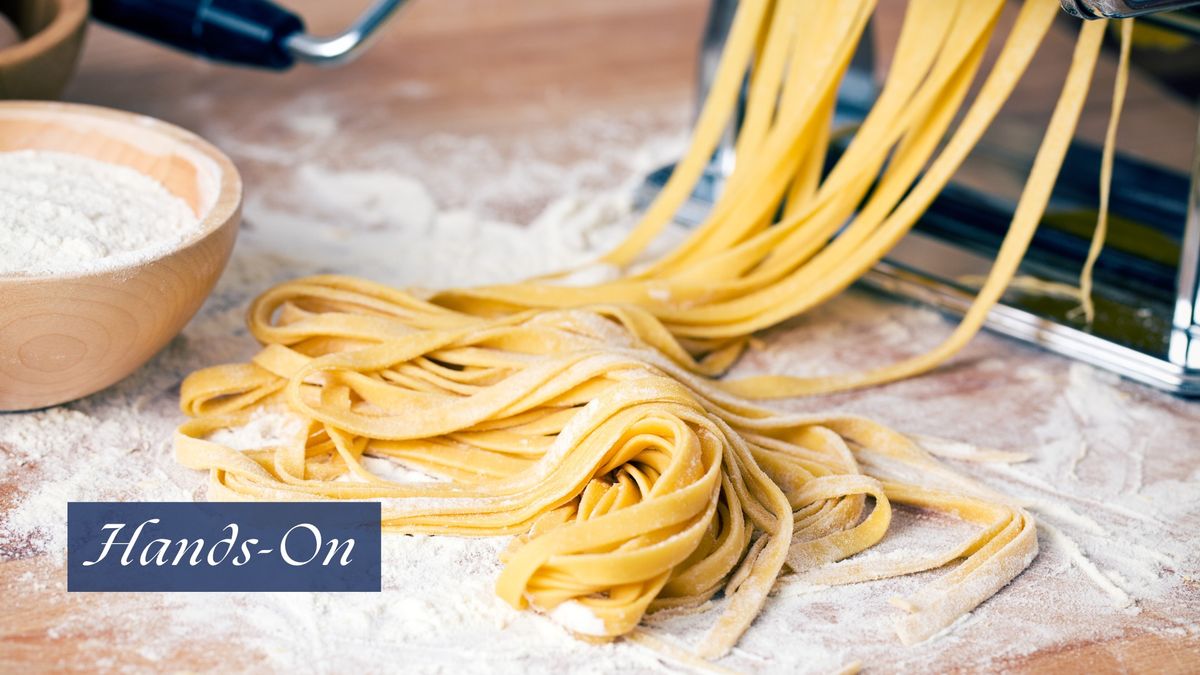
[(1120, 9)]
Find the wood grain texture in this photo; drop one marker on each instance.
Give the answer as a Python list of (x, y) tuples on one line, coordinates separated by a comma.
[(64, 337), (1136, 653), (37, 634), (41, 65)]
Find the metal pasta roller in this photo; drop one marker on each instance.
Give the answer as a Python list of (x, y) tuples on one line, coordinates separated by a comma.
[(243, 32), (1121, 9), (1147, 280)]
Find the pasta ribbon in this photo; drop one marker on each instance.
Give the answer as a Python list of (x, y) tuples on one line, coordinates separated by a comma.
[(592, 424)]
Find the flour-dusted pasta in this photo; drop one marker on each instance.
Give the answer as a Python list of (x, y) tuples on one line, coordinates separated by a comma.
[(592, 423)]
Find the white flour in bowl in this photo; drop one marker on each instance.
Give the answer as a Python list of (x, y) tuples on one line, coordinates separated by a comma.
[(68, 214)]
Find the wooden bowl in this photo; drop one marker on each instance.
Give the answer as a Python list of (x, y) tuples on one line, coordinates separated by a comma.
[(63, 337), (41, 65)]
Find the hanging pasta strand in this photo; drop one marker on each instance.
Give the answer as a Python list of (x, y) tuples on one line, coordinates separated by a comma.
[(1120, 86)]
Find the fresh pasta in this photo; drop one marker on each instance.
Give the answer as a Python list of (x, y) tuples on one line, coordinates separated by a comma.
[(592, 423)]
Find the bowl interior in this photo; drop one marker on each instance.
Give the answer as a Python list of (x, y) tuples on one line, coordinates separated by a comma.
[(66, 336), (39, 65), (30, 17), (9, 33), (141, 143)]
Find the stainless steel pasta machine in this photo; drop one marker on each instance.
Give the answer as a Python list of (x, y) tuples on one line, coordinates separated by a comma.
[(1147, 280)]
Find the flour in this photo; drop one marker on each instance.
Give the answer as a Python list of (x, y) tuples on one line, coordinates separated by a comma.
[(266, 428), (69, 214), (438, 611), (577, 617)]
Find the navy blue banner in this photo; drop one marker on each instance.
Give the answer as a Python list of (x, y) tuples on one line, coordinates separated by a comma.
[(223, 546)]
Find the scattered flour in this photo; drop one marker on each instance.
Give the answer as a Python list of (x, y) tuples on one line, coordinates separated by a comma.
[(68, 214), (266, 428), (438, 611), (578, 618)]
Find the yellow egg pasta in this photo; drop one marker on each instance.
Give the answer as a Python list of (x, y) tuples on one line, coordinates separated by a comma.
[(592, 423)]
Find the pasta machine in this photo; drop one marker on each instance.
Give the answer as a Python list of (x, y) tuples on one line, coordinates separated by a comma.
[(1147, 280), (256, 33)]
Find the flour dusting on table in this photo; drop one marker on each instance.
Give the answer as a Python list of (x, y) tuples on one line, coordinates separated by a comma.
[(1123, 507)]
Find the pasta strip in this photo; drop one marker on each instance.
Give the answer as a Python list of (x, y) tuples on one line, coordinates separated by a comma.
[(591, 423)]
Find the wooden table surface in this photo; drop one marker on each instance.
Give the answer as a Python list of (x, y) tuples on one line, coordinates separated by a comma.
[(508, 71)]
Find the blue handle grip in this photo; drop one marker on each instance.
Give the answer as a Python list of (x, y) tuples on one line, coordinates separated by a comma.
[(243, 32)]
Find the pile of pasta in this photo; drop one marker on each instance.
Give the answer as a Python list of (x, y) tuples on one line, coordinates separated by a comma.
[(592, 423)]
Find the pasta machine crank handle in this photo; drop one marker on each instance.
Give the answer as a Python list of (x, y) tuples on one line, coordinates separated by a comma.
[(244, 32)]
